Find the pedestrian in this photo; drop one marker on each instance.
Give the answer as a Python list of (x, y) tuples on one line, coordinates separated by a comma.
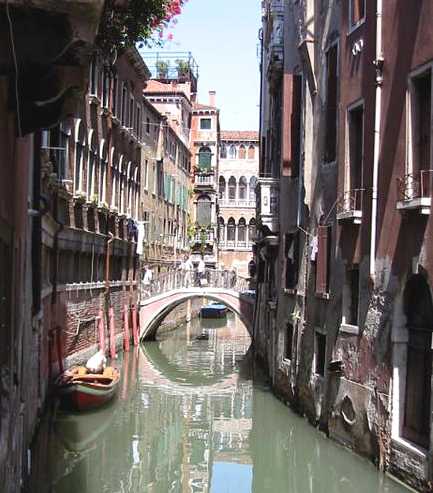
[(186, 267), (201, 272), (147, 280)]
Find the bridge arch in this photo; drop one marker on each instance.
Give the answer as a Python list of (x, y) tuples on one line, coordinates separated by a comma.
[(155, 309)]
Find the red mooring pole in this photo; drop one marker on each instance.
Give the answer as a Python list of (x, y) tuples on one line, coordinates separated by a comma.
[(112, 334), (126, 328), (135, 326), (101, 328)]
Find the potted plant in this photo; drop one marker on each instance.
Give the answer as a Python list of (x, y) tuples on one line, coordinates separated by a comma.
[(162, 69), (182, 68)]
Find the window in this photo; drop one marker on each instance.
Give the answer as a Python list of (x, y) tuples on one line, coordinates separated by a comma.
[(242, 230), (105, 89), (356, 138), (288, 342), (242, 152), (205, 123), (253, 184), (147, 125), (242, 188), (421, 122), (291, 257), (231, 230), (232, 188), (80, 142), (138, 121), (131, 113), (146, 174), (223, 152), (323, 259), (356, 12), (204, 211), (204, 159), (351, 296), (92, 166), (252, 230), (102, 189), (56, 144), (115, 100), (222, 188), (319, 354), (93, 78), (221, 229), (232, 152), (331, 105), (124, 110), (251, 152)]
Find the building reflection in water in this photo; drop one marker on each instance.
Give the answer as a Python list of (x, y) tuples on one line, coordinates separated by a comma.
[(190, 420)]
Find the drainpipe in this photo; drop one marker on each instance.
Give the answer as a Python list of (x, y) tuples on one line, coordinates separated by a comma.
[(377, 122)]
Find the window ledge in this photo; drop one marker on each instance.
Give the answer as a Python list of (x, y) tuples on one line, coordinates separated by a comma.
[(291, 291), (349, 329), (407, 446), (423, 204), (323, 296), (354, 216)]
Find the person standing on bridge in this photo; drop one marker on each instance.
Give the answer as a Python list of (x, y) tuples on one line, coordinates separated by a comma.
[(147, 280), (201, 273), (186, 267)]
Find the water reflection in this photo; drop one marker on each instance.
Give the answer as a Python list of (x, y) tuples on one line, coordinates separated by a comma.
[(190, 419)]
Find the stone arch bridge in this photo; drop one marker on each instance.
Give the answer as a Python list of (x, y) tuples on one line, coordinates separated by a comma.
[(173, 288)]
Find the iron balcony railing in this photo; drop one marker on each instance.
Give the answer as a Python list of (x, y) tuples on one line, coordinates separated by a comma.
[(415, 185), (351, 201)]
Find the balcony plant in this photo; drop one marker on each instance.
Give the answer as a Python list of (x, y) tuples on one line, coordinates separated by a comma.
[(124, 23), (182, 67), (162, 67)]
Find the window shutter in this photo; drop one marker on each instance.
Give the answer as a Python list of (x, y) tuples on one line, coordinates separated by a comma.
[(322, 260)]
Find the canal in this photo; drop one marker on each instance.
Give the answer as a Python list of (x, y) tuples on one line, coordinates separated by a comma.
[(193, 416)]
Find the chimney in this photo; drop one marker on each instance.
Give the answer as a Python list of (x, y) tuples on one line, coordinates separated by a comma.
[(212, 98)]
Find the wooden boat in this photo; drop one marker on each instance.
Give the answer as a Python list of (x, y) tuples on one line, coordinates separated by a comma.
[(82, 390), (213, 310)]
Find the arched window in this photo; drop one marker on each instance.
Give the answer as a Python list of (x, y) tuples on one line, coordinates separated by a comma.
[(231, 229), (122, 184), (232, 152), (222, 188), (232, 188), (114, 178), (129, 187), (251, 230), (204, 211), (242, 188), (242, 230), (223, 152), (221, 229), (242, 152), (253, 184), (80, 155), (103, 166), (92, 168), (204, 159), (251, 152)]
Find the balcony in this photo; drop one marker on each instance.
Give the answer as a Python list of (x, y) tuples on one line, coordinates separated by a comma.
[(349, 207), (414, 191), (268, 190), (204, 180), (241, 203), (274, 40)]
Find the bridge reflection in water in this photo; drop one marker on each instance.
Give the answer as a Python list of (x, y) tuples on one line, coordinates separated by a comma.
[(192, 418)]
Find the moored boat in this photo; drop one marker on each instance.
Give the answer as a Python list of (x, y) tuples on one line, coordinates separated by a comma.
[(213, 310), (83, 390)]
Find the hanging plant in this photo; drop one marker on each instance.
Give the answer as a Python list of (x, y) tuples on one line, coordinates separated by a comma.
[(125, 23)]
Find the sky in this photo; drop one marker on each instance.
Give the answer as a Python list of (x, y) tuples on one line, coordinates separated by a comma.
[(222, 36)]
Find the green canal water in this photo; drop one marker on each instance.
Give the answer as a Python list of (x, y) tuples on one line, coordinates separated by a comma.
[(192, 416)]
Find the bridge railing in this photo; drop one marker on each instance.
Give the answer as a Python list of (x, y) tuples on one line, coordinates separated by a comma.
[(183, 279)]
